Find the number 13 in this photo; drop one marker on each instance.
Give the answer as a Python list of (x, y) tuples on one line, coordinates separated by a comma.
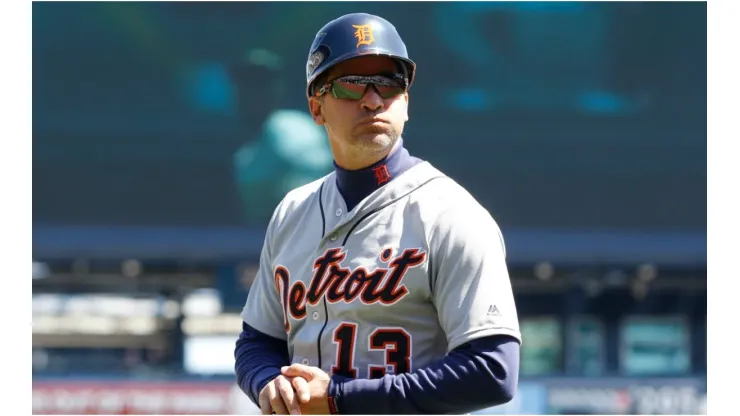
[(396, 343)]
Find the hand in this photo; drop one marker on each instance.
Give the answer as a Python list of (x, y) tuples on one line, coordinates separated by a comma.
[(279, 397), (317, 388)]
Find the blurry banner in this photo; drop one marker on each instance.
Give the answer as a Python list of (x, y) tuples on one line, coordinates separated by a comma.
[(625, 396), (621, 396), (140, 398), (586, 352), (653, 345), (543, 349)]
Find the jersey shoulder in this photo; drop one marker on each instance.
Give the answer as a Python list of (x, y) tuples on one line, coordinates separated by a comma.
[(298, 201), (445, 194), (445, 204)]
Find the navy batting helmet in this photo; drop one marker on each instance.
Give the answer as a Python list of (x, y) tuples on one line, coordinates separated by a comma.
[(354, 35)]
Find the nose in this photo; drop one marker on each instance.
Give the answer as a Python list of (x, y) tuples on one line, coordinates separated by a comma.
[(372, 101)]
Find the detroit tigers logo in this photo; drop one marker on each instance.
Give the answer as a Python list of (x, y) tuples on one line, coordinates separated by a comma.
[(364, 35), (381, 174), (330, 280)]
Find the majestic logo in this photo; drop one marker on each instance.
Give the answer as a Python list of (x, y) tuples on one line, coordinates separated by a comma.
[(364, 35), (339, 284), (381, 174)]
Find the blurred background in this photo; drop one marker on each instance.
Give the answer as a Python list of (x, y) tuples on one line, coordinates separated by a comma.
[(164, 134)]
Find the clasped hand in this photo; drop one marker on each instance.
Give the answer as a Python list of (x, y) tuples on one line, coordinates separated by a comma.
[(299, 390)]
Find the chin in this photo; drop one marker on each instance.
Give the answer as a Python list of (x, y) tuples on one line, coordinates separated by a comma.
[(376, 141)]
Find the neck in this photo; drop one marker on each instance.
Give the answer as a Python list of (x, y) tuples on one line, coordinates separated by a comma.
[(356, 185)]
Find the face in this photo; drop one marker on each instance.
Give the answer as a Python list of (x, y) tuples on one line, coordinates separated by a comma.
[(361, 131)]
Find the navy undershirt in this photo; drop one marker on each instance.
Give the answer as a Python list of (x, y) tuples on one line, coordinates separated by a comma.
[(356, 185)]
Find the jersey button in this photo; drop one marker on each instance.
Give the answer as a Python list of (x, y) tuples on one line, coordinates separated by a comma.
[(305, 361), (339, 212), (333, 237), (315, 316)]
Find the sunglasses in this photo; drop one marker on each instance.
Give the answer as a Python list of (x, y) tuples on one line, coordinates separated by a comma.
[(353, 87)]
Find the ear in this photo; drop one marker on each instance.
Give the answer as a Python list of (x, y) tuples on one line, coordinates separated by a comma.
[(315, 107)]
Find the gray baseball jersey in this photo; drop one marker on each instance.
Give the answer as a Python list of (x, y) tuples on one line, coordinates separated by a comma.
[(415, 270)]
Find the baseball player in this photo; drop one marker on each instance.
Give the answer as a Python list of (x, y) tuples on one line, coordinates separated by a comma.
[(383, 286)]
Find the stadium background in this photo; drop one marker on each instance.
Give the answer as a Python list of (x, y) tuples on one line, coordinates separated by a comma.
[(580, 126)]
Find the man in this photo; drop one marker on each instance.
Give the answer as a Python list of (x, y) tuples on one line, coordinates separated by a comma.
[(383, 286)]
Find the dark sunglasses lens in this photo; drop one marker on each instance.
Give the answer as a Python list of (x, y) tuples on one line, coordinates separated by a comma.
[(389, 91), (353, 87), (348, 90)]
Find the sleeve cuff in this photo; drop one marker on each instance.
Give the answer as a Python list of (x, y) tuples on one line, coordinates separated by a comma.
[(335, 394), (263, 377)]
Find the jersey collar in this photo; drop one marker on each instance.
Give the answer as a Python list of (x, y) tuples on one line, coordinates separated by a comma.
[(356, 185)]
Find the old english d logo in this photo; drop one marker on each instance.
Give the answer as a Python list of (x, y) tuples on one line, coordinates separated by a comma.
[(381, 174), (364, 35)]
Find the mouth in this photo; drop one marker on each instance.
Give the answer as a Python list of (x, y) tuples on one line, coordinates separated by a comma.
[(372, 121), (373, 126)]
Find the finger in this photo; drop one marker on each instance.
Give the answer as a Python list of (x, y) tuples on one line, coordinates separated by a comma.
[(276, 399), (264, 400), (298, 370), (302, 390), (286, 391)]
